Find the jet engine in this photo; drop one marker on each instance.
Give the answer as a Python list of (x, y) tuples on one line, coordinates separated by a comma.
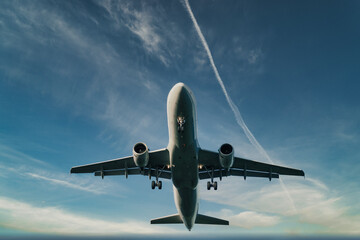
[(141, 154), (226, 155)]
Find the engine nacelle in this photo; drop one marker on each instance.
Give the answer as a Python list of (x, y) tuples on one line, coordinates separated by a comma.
[(226, 155), (141, 154)]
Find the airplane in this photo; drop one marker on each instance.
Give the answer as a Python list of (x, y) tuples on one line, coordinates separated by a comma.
[(185, 163)]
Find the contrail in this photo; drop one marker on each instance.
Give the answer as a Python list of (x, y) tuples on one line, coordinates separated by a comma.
[(233, 107)]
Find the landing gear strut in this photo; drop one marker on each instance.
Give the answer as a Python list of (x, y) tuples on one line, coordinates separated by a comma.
[(211, 183), (156, 183)]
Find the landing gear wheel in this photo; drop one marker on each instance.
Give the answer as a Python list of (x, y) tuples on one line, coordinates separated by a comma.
[(160, 185), (215, 185), (152, 184), (208, 185)]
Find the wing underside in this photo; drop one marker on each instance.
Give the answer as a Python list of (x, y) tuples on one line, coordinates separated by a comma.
[(157, 167), (211, 168)]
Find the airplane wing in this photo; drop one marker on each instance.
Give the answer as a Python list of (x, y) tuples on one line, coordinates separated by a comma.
[(209, 161), (158, 165)]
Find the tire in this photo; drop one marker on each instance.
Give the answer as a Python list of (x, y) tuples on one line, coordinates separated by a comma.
[(160, 185), (215, 185), (208, 185), (152, 184)]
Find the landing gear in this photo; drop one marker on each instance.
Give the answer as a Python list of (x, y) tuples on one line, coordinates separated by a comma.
[(156, 184), (211, 184)]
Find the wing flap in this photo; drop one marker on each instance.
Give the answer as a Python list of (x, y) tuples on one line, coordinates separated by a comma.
[(237, 172), (242, 167), (243, 163), (135, 171), (157, 159)]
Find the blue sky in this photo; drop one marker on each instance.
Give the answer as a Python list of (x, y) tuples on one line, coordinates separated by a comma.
[(83, 81)]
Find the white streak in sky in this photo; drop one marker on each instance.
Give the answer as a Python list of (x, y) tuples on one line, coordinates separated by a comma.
[(66, 183), (233, 107), (55, 220)]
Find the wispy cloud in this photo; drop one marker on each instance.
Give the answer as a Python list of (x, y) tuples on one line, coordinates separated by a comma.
[(18, 156), (48, 27), (26, 217), (247, 219), (65, 183), (315, 203), (159, 36), (252, 56), (141, 23), (83, 68), (22, 165)]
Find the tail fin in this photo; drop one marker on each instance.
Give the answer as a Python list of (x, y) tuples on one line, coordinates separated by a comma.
[(175, 218), (202, 219)]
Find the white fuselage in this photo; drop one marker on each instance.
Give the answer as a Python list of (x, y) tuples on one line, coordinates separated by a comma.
[(183, 150)]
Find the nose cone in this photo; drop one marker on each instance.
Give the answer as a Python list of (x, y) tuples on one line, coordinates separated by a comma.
[(180, 90), (180, 93), (179, 84)]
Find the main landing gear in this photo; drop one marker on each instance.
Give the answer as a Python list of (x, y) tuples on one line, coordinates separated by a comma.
[(211, 184), (156, 184)]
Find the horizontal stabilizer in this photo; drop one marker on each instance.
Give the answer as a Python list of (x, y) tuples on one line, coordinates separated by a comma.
[(202, 219), (175, 218)]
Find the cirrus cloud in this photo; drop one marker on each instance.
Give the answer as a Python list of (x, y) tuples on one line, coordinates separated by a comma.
[(26, 217)]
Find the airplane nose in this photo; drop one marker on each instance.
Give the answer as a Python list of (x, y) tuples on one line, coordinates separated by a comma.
[(180, 98), (182, 91)]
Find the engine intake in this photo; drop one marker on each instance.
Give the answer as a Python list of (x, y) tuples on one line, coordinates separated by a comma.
[(141, 154), (226, 155)]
